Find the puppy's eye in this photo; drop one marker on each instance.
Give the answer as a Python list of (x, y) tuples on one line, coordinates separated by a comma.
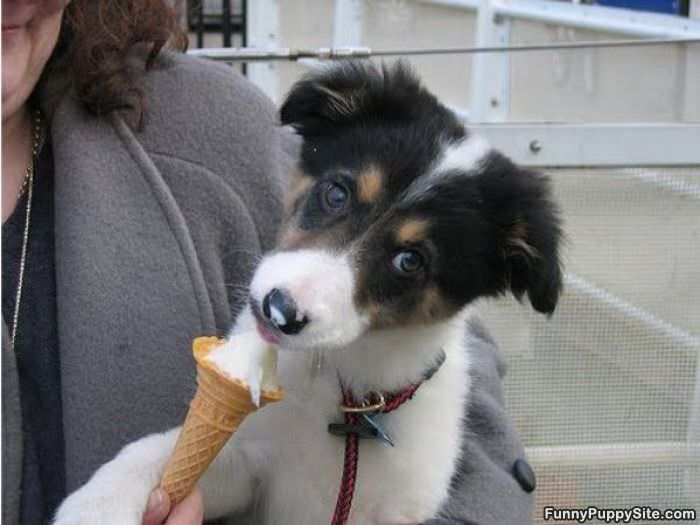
[(408, 261), (334, 197)]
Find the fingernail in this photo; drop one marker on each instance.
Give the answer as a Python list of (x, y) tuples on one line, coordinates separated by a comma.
[(155, 500)]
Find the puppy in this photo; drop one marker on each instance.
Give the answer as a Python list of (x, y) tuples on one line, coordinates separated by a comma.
[(398, 220)]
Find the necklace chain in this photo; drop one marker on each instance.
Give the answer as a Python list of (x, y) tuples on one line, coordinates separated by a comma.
[(27, 185)]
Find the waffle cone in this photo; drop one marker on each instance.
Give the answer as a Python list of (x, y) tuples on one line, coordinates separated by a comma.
[(218, 408)]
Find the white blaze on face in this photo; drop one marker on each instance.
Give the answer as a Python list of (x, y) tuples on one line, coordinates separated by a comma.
[(322, 285), (465, 155)]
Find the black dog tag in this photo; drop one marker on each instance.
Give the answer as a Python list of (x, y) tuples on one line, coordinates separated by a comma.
[(367, 428), (362, 430)]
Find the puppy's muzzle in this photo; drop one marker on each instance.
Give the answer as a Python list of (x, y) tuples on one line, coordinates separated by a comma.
[(280, 309)]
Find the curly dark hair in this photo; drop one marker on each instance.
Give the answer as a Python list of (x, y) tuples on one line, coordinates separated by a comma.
[(95, 45)]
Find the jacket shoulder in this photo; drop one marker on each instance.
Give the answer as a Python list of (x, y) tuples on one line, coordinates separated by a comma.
[(206, 125), (192, 100)]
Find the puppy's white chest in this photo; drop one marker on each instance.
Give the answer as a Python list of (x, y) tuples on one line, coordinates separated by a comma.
[(302, 466)]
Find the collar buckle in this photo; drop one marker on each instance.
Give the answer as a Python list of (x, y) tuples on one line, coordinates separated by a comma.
[(374, 402)]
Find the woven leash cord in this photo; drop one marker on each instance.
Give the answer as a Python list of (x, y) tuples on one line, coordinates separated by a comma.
[(352, 453), (352, 450)]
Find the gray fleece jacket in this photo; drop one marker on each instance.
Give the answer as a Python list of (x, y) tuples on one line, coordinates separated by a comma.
[(157, 234)]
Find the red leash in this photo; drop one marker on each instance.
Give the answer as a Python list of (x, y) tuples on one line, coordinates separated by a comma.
[(353, 419), (352, 455), (352, 447)]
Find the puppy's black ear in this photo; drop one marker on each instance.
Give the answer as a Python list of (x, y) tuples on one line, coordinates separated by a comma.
[(330, 97), (520, 204), (350, 92)]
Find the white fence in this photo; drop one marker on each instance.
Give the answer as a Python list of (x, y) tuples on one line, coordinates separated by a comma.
[(560, 85)]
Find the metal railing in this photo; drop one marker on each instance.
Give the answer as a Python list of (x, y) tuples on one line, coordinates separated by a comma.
[(223, 17), (489, 99)]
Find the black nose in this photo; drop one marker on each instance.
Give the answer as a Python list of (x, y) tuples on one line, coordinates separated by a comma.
[(281, 310)]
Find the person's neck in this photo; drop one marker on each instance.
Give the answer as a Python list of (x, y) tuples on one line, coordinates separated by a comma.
[(16, 155)]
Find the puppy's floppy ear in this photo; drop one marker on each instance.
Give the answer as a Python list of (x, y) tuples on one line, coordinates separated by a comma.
[(354, 91), (519, 202), (330, 97)]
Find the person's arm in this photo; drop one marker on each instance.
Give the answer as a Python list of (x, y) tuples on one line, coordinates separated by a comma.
[(485, 489)]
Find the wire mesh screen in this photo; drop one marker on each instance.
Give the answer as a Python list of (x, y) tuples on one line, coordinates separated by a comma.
[(606, 393)]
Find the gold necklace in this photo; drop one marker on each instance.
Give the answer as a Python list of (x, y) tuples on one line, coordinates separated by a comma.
[(27, 185)]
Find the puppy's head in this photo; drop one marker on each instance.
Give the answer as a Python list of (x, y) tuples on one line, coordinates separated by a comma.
[(397, 216)]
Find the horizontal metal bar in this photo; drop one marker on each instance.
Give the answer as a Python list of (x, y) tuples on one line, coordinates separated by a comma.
[(459, 4), (616, 454), (248, 54), (580, 145), (556, 46), (592, 17), (251, 54)]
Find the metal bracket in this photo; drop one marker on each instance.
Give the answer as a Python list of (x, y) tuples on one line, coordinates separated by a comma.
[(490, 80), (263, 32)]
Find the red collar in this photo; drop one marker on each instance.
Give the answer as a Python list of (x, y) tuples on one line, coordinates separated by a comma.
[(382, 403), (358, 423)]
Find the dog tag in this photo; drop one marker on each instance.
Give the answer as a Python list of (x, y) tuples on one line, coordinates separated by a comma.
[(370, 420), (363, 430)]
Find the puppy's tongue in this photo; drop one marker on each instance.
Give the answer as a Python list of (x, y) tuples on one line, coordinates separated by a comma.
[(249, 358), (267, 334)]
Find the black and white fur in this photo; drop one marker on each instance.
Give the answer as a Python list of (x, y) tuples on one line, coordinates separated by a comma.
[(398, 220)]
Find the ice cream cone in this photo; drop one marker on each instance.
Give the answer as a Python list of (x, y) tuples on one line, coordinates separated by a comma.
[(219, 406)]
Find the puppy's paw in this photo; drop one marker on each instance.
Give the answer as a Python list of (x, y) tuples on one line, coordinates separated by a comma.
[(118, 492), (104, 503), (116, 506)]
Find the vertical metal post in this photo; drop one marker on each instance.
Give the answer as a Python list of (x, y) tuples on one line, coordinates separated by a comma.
[(244, 23), (682, 97), (226, 29), (263, 33), (490, 81), (694, 9), (244, 32), (200, 24), (347, 26)]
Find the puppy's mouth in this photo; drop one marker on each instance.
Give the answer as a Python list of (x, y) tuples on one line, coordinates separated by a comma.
[(267, 330), (268, 333)]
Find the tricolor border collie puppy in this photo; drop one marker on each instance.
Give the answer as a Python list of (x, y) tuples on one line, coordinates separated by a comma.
[(398, 220)]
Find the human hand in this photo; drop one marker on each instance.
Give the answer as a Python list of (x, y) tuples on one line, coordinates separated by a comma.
[(189, 511)]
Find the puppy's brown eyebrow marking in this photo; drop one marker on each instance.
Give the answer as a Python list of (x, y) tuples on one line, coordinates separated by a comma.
[(369, 184), (299, 183), (432, 303), (412, 231), (290, 238)]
